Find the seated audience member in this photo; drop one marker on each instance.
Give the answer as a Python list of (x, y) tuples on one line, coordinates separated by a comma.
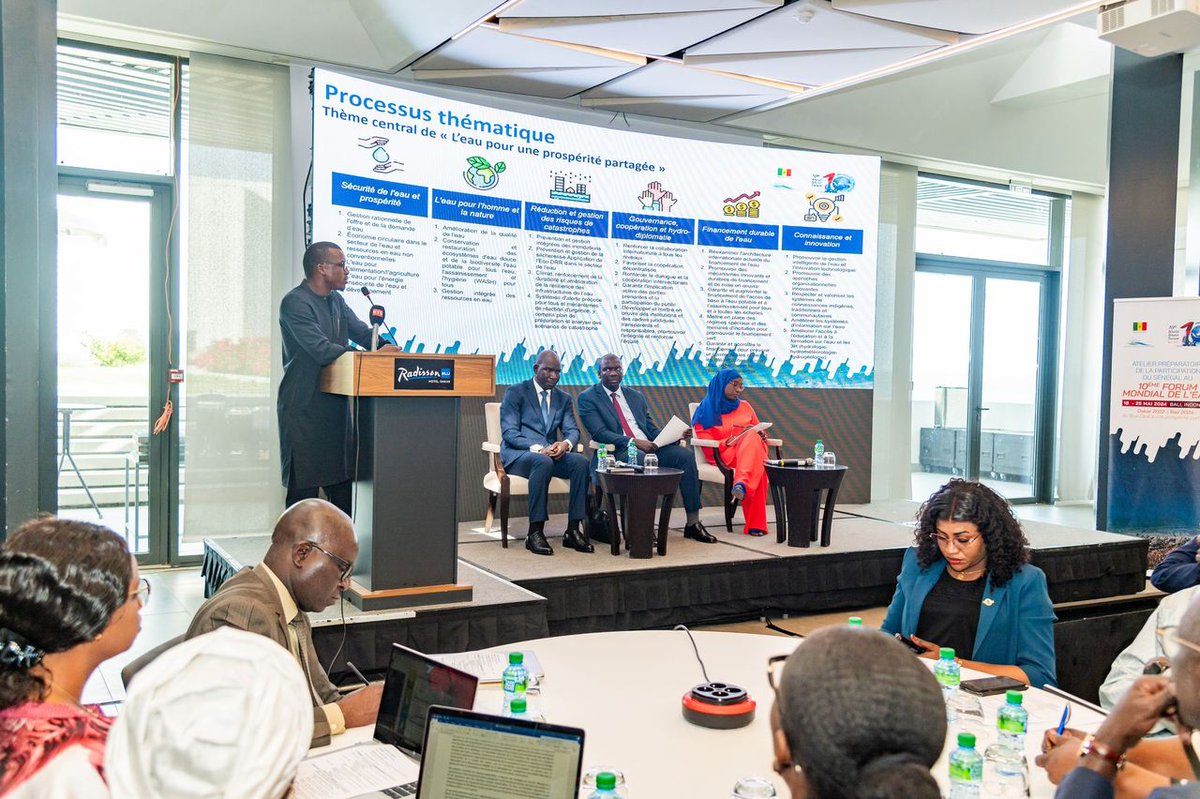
[(721, 416), (1102, 766), (69, 600), (615, 414), (305, 570), (968, 585), (223, 714), (873, 730), (1180, 569), (1145, 649), (532, 414)]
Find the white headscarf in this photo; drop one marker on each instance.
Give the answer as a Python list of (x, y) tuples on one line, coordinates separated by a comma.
[(226, 715)]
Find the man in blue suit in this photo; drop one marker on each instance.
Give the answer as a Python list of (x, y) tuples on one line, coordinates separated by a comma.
[(532, 414), (615, 415)]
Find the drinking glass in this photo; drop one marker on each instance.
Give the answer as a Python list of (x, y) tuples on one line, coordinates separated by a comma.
[(830, 460), (651, 462), (753, 788), (1005, 772)]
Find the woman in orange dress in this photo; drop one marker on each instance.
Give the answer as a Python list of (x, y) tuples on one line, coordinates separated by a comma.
[(721, 416)]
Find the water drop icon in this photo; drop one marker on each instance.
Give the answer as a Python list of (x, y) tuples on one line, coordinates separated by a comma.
[(380, 155)]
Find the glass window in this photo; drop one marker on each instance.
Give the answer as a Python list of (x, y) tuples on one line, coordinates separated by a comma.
[(968, 220), (114, 111)]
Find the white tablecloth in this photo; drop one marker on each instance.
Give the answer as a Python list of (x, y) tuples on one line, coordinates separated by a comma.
[(624, 689)]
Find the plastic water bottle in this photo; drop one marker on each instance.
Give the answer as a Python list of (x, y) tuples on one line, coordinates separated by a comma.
[(966, 769), (949, 675), (519, 709), (631, 453), (819, 454), (1012, 722), (515, 679), (855, 622), (606, 787), (602, 458)]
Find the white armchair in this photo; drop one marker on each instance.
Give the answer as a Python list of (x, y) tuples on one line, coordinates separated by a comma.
[(501, 485)]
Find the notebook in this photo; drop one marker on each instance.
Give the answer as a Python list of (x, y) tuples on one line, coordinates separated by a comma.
[(468, 755)]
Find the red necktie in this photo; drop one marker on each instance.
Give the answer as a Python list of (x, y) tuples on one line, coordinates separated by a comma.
[(621, 416)]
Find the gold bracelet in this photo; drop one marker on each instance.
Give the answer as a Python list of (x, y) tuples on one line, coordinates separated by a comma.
[(1103, 751)]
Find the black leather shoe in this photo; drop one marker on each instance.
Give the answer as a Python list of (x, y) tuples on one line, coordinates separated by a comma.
[(577, 541), (536, 543), (696, 532)]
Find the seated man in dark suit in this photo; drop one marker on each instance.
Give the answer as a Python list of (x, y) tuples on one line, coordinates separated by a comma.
[(307, 567), (614, 415), (531, 416), (1179, 570)]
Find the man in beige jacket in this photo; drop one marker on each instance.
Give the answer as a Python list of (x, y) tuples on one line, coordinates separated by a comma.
[(307, 567)]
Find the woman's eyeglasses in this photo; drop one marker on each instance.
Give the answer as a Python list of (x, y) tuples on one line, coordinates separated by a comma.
[(142, 593)]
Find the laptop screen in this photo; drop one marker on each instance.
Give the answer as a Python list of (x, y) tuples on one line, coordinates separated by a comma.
[(476, 756), (413, 683)]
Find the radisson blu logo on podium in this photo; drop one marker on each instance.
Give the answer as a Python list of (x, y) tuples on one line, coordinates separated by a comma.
[(424, 374)]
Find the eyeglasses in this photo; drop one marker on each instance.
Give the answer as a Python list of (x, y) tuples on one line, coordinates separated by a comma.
[(1169, 642), (945, 540), (774, 669), (340, 265), (344, 566), (142, 594)]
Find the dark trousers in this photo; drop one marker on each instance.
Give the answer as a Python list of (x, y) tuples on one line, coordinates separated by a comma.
[(538, 469), (672, 456), (338, 494)]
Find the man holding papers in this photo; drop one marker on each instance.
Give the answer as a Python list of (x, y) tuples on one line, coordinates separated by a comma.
[(615, 415)]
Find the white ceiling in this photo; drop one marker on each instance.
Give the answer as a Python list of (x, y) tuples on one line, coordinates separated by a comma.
[(795, 69), (690, 59)]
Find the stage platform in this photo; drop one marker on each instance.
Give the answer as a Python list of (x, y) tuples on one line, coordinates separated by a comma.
[(519, 595)]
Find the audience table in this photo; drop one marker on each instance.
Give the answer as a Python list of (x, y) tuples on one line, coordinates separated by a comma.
[(624, 689)]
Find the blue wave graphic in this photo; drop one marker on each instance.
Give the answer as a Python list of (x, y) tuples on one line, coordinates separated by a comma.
[(687, 368), (1160, 497)]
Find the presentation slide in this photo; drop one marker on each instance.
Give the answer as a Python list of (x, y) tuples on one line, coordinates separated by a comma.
[(486, 231)]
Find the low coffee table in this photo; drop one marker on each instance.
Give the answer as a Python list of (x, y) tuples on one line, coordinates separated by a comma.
[(640, 490), (797, 494)]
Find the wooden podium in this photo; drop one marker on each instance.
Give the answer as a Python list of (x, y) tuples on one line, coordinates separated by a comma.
[(406, 412)]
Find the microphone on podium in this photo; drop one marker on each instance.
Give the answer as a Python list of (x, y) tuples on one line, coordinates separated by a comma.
[(376, 317)]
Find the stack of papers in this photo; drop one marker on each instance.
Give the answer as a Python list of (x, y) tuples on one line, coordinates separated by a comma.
[(489, 666)]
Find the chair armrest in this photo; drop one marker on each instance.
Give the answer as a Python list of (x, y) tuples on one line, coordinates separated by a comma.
[(707, 443), (592, 445), (579, 447), (488, 446), (774, 442)]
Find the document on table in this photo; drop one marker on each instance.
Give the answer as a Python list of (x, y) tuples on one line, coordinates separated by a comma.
[(489, 666), (672, 432), (354, 770), (757, 428)]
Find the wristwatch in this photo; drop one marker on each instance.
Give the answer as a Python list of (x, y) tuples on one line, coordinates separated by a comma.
[(1103, 751)]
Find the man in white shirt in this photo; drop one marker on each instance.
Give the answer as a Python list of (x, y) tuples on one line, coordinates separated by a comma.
[(1130, 664)]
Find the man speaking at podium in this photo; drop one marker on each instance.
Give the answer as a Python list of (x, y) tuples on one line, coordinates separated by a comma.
[(315, 437), (531, 416)]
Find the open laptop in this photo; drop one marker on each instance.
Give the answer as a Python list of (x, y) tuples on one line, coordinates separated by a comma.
[(476, 755), (413, 684)]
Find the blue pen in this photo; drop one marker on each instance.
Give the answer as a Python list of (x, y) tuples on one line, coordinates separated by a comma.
[(1062, 723)]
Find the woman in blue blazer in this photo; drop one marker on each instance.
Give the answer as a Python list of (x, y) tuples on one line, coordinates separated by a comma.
[(967, 584)]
